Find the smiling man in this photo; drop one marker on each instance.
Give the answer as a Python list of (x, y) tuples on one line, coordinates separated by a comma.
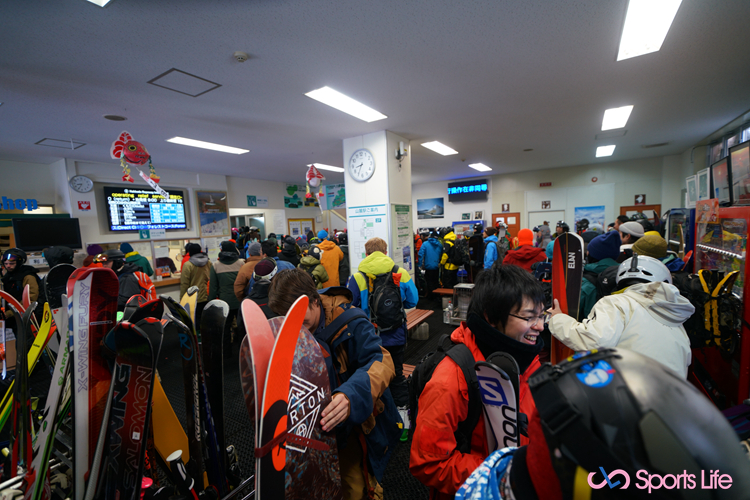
[(505, 314)]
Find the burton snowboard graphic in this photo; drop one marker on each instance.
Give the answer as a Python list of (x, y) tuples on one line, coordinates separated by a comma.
[(567, 278)]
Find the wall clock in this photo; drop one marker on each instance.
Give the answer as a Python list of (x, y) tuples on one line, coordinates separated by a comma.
[(361, 165), (81, 184)]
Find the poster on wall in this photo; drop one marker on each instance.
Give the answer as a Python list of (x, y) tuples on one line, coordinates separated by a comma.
[(335, 196), (702, 185), (430, 208), (365, 222), (294, 197), (595, 216), (403, 239), (213, 213), (295, 228)]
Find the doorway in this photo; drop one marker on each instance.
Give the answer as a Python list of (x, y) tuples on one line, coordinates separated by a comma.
[(551, 216), (650, 211), (513, 219)]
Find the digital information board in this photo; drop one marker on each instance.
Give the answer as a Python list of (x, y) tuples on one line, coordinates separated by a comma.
[(134, 209)]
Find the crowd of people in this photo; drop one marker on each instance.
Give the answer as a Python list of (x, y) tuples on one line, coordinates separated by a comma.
[(622, 402)]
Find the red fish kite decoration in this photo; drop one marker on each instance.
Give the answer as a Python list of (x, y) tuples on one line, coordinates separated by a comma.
[(131, 152)]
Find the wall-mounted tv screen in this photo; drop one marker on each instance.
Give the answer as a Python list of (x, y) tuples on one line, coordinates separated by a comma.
[(720, 179), (473, 190), (131, 209), (37, 233), (739, 159)]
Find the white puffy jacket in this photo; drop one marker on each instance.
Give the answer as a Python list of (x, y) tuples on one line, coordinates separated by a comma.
[(646, 318)]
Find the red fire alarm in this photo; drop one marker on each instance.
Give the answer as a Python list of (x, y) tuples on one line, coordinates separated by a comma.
[(594, 179)]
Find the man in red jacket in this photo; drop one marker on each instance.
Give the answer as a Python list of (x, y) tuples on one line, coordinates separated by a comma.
[(505, 314), (526, 254)]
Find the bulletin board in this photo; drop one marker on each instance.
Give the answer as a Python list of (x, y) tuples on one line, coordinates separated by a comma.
[(300, 227)]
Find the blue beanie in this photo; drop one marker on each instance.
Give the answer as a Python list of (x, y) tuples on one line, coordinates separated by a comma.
[(126, 248), (605, 246), (550, 249), (322, 234)]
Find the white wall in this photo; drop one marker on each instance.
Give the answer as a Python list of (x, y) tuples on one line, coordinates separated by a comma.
[(27, 180)]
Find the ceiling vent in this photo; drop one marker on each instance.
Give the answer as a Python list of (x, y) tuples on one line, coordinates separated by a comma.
[(60, 143), (609, 135), (657, 145), (115, 118), (184, 83)]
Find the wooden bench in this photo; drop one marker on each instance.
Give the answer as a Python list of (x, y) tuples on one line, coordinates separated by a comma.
[(407, 370), (416, 317), (443, 291)]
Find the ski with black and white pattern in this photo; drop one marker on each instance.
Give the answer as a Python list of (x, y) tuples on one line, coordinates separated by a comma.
[(567, 278)]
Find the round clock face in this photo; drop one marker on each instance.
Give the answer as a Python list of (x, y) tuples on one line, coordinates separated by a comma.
[(361, 165), (81, 184)]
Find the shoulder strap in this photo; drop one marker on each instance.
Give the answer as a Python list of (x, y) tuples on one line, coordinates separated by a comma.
[(343, 319), (462, 356)]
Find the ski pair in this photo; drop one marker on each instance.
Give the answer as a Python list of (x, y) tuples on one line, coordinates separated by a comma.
[(567, 278), (498, 379)]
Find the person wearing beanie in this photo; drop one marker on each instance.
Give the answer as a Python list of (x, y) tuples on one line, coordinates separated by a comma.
[(332, 260), (322, 235), (526, 254), (630, 232), (264, 272), (196, 272), (601, 254), (94, 250), (651, 245), (310, 263), (221, 286), (245, 274), (136, 258)]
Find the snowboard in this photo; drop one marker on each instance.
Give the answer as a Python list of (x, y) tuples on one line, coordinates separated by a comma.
[(500, 405), (270, 460), (132, 305), (255, 353), (567, 278), (11, 300), (94, 302)]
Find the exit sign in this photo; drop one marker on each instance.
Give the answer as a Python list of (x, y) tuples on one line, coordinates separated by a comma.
[(545, 184)]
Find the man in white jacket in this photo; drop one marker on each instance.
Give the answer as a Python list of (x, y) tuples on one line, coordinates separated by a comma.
[(645, 315)]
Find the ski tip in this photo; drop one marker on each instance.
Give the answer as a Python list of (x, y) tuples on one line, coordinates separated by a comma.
[(192, 291)]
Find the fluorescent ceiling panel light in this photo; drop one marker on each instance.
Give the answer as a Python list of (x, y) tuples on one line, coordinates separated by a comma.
[(323, 166), (616, 117), (439, 147), (646, 26), (207, 145), (344, 103), (100, 3), (480, 166), (605, 151)]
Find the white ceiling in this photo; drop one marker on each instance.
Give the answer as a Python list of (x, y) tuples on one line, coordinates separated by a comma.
[(487, 77)]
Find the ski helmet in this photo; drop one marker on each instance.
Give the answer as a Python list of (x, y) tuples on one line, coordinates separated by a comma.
[(582, 225), (15, 254), (501, 225), (622, 413), (445, 230), (564, 226), (478, 228), (639, 269)]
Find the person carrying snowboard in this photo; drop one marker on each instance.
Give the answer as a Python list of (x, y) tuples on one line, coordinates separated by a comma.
[(526, 254), (429, 259), (310, 263), (362, 412), (646, 317), (505, 314)]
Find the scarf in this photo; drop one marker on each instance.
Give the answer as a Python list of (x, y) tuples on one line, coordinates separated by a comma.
[(490, 340)]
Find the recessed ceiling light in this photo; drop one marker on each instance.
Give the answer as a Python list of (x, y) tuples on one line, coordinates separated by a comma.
[(344, 103), (480, 166), (616, 117), (100, 3), (323, 166), (115, 118), (646, 26), (439, 147), (605, 151), (207, 145)]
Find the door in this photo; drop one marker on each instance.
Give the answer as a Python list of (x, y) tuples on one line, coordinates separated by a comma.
[(551, 216), (651, 211), (513, 219)]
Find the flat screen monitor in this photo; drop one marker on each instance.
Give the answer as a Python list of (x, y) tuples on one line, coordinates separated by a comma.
[(38, 233), (720, 179), (131, 209), (739, 159)]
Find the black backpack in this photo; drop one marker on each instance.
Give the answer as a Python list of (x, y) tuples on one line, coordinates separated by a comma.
[(385, 304), (458, 252), (605, 282), (422, 374)]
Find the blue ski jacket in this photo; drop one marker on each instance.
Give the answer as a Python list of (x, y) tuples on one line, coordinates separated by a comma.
[(490, 251), (430, 253), (360, 368), (379, 263)]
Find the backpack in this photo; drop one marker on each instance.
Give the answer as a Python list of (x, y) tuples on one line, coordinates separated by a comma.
[(384, 301), (605, 282), (422, 374), (148, 290), (309, 270), (458, 253)]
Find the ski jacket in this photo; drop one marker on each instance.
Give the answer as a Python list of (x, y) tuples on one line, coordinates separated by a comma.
[(222, 278), (430, 254), (196, 272), (289, 254), (588, 289), (128, 283), (311, 265), (140, 261), (259, 295), (361, 369), (646, 318), (490, 251), (449, 240), (524, 256), (417, 247), (444, 402), (15, 282), (379, 263), (545, 236), (331, 260), (244, 276)]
